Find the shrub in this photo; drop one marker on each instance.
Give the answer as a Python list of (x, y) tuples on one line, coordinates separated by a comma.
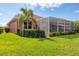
[(32, 33), (6, 29), (1, 30), (72, 32), (19, 32), (61, 33)]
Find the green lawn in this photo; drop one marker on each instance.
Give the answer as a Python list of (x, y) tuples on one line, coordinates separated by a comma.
[(13, 45)]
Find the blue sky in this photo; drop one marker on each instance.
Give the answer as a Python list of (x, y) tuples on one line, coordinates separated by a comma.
[(69, 11)]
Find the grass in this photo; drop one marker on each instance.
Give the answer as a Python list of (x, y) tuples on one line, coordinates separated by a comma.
[(13, 45)]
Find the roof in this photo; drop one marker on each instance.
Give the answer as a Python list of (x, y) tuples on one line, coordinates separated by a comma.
[(38, 18), (54, 19), (58, 19), (15, 18)]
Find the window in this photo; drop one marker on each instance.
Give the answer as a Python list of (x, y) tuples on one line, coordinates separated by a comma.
[(61, 28), (25, 25), (28, 25), (53, 27)]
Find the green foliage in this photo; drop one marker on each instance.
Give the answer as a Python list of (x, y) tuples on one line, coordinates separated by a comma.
[(24, 10), (32, 33), (28, 14), (76, 26), (6, 29), (61, 33), (1, 30)]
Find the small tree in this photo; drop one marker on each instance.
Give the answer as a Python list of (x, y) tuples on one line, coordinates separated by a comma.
[(76, 26)]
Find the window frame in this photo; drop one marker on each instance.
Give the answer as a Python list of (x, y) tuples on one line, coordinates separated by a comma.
[(28, 25)]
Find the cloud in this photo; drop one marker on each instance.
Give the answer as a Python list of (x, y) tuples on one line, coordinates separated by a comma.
[(44, 5), (47, 5), (1, 14), (77, 11)]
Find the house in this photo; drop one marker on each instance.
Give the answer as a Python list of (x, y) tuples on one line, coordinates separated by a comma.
[(14, 26), (48, 24)]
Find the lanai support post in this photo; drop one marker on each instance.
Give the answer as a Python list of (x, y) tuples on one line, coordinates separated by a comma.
[(64, 27), (57, 27), (48, 29)]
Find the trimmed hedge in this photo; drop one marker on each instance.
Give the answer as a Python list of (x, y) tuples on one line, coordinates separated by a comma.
[(61, 33), (32, 33)]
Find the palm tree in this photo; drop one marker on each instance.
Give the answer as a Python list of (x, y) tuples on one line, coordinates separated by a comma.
[(28, 15), (31, 15), (19, 18)]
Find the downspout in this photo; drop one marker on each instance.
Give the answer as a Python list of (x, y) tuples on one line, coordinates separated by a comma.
[(48, 29)]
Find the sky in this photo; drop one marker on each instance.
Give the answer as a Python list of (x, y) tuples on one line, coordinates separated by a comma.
[(69, 11)]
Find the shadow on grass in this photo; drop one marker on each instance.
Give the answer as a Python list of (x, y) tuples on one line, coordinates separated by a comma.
[(72, 36), (43, 39)]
